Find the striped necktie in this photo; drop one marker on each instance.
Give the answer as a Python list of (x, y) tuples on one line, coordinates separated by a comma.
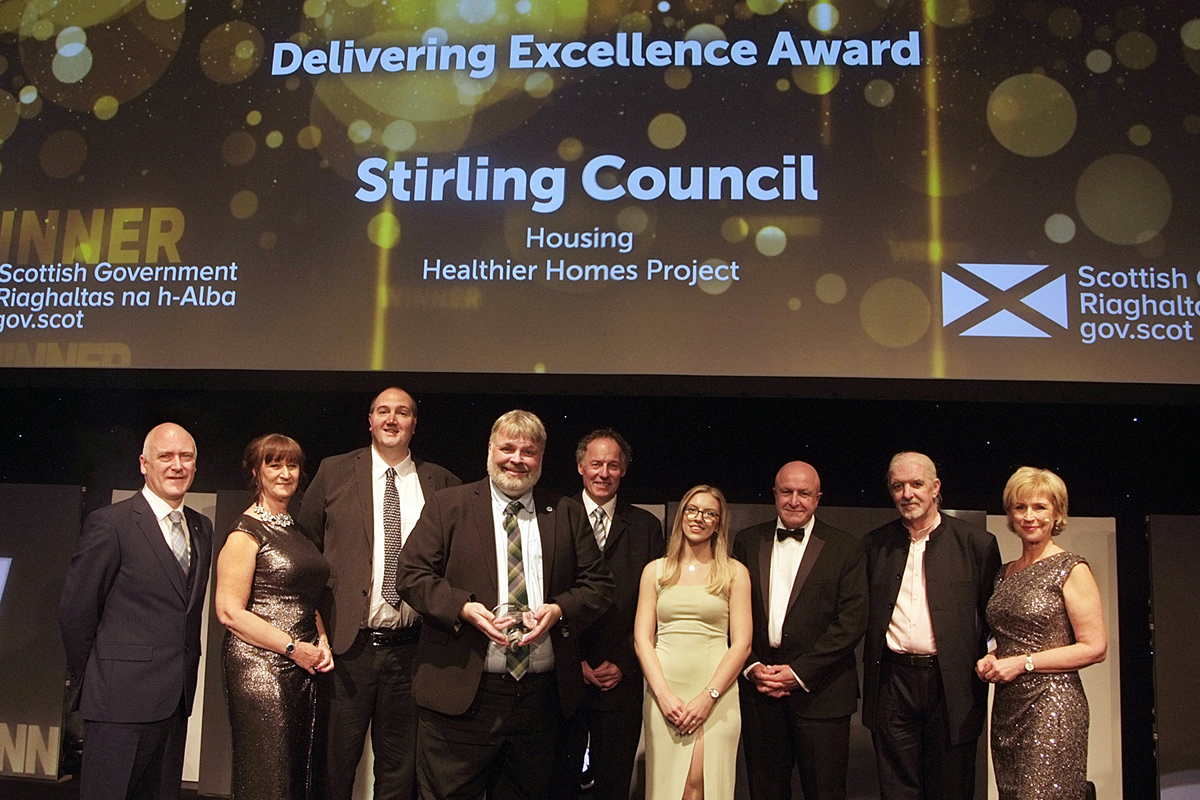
[(516, 658), (179, 541)]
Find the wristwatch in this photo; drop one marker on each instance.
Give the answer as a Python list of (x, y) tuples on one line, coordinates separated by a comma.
[(714, 693), (291, 648), (1028, 662)]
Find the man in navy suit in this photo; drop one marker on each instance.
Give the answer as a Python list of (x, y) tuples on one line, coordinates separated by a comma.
[(130, 617), (609, 720), (373, 634), (490, 711), (808, 585)]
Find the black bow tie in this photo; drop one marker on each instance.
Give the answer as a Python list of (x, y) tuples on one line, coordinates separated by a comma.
[(790, 533)]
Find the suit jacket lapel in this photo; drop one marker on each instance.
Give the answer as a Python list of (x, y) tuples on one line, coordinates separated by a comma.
[(811, 553), (366, 503), (148, 525), (484, 533), (764, 566), (200, 555), (546, 523)]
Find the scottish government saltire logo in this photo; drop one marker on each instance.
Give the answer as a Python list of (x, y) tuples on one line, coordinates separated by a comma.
[(5, 564), (1003, 300)]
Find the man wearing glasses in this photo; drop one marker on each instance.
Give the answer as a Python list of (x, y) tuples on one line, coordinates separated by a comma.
[(808, 588)]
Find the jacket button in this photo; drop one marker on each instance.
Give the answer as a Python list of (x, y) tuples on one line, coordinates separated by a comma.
[(364, 592)]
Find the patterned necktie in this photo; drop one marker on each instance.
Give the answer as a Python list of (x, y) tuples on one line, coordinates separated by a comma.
[(179, 542), (600, 526), (391, 537), (516, 659)]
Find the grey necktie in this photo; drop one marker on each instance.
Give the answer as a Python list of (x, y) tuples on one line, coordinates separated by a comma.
[(600, 526), (179, 541)]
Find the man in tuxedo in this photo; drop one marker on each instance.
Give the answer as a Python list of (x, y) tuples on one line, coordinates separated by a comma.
[(930, 578), (360, 510), (130, 618), (609, 720), (490, 712), (800, 687)]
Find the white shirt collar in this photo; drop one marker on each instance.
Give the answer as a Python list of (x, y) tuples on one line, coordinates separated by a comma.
[(591, 505), (379, 466), (160, 507)]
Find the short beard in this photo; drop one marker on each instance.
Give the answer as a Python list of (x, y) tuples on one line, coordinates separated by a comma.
[(511, 485)]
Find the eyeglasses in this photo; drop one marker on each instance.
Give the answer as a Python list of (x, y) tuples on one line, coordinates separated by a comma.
[(709, 516)]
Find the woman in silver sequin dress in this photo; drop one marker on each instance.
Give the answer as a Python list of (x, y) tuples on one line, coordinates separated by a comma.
[(1048, 623), (269, 577)]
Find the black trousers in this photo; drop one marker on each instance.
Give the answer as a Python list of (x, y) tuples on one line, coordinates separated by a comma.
[(774, 738), (610, 737), (913, 751), (133, 760), (502, 746), (370, 686)]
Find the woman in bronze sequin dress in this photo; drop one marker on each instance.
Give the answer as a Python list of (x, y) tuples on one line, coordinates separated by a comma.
[(269, 577), (1048, 623)]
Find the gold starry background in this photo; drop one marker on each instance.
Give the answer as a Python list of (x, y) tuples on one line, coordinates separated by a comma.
[(1034, 132)]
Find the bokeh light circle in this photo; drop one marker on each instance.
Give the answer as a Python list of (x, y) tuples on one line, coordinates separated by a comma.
[(243, 204), (70, 41), (570, 149), (1060, 228), (1123, 199), (715, 287), (831, 288), (384, 230), (308, 137), (238, 148), (27, 94), (231, 52), (1140, 135), (735, 229), (1031, 115), (72, 69), (399, 135), (895, 312), (1189, 33), (106, 107), (63, 154), (666, 131), (794, 303), (1136, 50), (273, 139), (879, 93), (770, 240), (1098, 61), (633, 219)]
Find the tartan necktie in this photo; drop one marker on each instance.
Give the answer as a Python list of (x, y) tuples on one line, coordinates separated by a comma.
[(600, 526), (516, 659), (391, 537), (179, 541)]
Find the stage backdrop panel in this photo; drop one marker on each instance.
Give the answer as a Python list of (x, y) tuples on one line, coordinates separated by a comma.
[(1173, 545), (39, 526)]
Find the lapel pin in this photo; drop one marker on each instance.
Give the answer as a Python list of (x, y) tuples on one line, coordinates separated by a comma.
[(549, 509)]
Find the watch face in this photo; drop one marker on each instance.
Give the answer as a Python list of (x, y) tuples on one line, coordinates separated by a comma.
[(715, 694)]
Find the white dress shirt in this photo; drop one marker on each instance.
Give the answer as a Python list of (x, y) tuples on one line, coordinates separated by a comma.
[(381, 613), (541, 653), (911, 629)]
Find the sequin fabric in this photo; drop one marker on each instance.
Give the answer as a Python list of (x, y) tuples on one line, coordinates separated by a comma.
[(272, 701), (1039, 720)]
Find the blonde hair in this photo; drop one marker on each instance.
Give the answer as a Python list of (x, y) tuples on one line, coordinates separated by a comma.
[(1029, 481), (720, 576), (520, 425)]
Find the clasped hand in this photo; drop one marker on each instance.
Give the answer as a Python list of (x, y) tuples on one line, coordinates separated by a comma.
[(775, 680), (313, 658), (603, 677), (686, 717), (999, 670), (538, 621)]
